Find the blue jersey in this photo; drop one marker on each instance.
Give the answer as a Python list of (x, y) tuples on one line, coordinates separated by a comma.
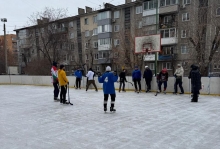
[(136, 74), (78, 74), (108, 79)]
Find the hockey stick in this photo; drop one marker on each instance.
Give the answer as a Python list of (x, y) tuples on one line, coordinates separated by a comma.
[(69, 96), (130, 83), (157, 89)]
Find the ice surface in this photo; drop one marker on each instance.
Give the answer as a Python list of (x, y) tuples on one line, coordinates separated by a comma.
[(30, 119)]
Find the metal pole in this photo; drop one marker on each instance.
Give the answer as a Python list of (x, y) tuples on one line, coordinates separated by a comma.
[(156, 31), (6, 61)]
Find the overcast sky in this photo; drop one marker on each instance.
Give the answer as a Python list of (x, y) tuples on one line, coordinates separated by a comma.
[(18, 11)]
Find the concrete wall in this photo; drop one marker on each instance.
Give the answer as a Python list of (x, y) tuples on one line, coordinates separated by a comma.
[(211, 85)]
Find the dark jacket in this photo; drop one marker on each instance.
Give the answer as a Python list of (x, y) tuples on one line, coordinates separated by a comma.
[(122, 77), (148, 74), (195, 79), (136, 74), (163, 76)]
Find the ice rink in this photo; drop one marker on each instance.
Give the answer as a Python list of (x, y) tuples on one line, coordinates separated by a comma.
[(30, 119)]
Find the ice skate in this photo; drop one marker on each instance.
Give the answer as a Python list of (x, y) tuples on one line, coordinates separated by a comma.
[(112, 109), (105, 109), (56, 99)]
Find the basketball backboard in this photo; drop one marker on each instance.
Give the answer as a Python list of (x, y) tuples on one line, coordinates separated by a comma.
[(150, 43)]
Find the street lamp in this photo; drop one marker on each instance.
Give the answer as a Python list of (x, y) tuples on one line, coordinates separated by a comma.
[(6, 65)]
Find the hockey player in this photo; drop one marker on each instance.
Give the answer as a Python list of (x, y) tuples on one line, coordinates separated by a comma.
[(90, 75), (108, 79), (78, 74), (122, 80), (195, 77), (55, 82), (179, 76), (148, 78), (63, 81), (163, 78), (136, 77)]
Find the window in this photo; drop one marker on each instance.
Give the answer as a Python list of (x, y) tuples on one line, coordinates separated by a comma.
[(168, 2), (167, 19), (186, 2), (184, 49), (71, 58), (167, 65), (168, 33), (167, 50), (183, 34), (86, 21), (94, 19), (150, 5), (185, 17), (104, 41), (71, 24), (87, 57), (71, 35), (97, 68), (140, 24), (138, 9), (86, 33), (151, 66), (218, 11), (86, 45), (95, 44), (96, 56), (72, 46), (116, 42), (104, 28), (116, 28), (217, 30), (104, 15), (95, 31), (149, 20), (116, 14)]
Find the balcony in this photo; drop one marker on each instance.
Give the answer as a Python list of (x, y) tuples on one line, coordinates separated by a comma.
[(168, 36), (165, 57), (168, 25), (104, 47), (168, 9), (149, 12), (104, 61)]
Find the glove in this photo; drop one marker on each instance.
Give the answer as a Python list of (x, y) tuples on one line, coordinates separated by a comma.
[(99, 74), (68, 83)]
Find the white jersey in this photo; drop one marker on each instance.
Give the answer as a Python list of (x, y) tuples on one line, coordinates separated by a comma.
[(90, 75)]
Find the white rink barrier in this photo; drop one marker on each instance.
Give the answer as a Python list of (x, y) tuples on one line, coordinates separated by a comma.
[(210, 85)]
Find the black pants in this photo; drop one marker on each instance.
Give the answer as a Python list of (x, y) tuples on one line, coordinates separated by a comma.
[(195, 97), (56, 89), (78, 83), (164, 85), (178, 82), (123, 85), (63, 93), (139, 84), (112, 100), (148, 83)]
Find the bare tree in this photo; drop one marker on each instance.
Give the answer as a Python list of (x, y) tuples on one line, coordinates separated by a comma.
[(50, 32), (200, 27)]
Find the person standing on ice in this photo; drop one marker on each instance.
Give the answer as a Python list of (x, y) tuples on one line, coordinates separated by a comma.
[(163, 78), (179, 76), (90, 75), (136, 77), (108, 79), (148, 78), (122, 80), (195, 77), (55, 81), (78, 74), (63, 81)]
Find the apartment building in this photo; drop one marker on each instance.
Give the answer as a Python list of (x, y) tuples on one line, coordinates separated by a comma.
[(12, 55), (97, 38)]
